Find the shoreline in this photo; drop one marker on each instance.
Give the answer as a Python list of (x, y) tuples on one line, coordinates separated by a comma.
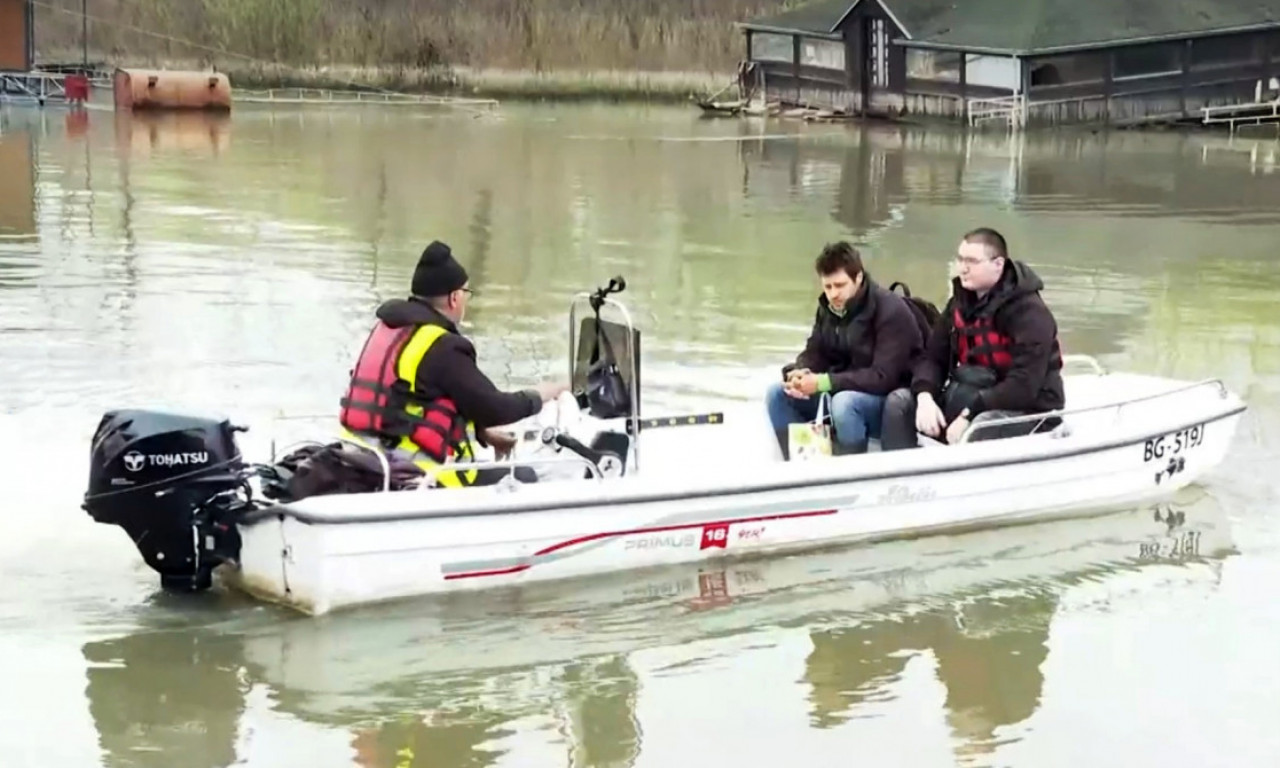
[(559, 85)]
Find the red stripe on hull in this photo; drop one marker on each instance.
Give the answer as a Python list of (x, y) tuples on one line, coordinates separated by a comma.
[(633, 532), (494, 572)]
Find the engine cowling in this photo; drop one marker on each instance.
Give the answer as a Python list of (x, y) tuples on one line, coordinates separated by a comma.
[(175, 483)]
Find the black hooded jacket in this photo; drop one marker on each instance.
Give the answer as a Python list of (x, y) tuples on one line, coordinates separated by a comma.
[(1034, 381), (870, 348), (449, 369)]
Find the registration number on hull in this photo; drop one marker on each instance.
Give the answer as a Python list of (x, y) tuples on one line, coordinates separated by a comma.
[(1173, 444)]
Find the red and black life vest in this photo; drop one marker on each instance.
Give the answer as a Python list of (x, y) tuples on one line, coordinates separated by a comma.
[(978, 343), (382, 396)]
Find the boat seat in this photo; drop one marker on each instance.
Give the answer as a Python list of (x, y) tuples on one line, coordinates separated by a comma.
[(1062, 430)]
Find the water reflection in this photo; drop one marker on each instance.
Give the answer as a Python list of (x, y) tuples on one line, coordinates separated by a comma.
[(554, 668), (190, 134), (988, 653), (874, 172), (155, 696), (17, 191), (988, 647), (460, 737)]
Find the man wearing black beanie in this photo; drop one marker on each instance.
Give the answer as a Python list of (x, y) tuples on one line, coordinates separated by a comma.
[(416, 386)]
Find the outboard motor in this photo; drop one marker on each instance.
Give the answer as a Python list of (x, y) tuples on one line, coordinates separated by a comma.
[(176, 484)]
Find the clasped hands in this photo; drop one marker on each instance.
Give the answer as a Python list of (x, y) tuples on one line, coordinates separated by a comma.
[(800, 383), (931, 421)]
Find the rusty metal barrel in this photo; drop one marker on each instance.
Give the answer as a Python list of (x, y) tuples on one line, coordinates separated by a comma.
[(146, 89)]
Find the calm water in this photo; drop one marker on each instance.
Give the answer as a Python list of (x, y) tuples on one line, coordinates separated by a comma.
[(233, 264)]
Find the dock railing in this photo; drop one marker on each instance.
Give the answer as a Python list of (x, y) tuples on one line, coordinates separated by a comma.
[(1251, 113), (1012, 109), (43, 86), (37, 86)]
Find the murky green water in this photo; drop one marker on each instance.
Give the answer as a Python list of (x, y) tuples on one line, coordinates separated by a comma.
[(233, 264)]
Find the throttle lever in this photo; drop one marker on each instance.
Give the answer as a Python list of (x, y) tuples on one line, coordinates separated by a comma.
[(552, 435)]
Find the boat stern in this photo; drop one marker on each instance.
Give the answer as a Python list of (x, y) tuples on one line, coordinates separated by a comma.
[(281, 562)]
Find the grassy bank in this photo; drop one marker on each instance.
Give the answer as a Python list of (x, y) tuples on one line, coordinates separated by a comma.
[(663, 49), (560, 84)]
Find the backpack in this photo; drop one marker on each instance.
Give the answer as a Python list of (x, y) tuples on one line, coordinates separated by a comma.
[(925, 311)]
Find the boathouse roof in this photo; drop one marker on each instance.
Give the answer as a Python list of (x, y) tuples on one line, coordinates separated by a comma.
[(1024, 27)]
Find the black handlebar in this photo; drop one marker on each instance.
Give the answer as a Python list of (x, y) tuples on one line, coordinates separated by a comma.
[(617, 284), (551, 435), (577, 447)]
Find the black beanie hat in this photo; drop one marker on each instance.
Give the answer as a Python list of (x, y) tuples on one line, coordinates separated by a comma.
[(437, 273)]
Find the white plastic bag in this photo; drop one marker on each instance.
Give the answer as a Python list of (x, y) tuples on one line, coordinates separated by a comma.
[(810, 440)]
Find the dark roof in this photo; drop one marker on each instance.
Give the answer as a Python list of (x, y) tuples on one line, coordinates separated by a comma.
[(1029, 26), (821, 16)]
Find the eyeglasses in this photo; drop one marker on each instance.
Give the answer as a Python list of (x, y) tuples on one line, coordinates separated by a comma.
[(468, 291), (970, 261)]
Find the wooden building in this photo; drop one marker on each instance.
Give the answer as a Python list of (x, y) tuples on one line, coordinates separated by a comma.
[(1027, 62), (17, 39)]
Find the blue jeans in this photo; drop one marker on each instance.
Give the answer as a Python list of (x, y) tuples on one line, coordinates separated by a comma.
[(856, 415)]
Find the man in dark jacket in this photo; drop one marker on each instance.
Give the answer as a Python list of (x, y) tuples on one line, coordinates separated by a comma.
[(419, 337), (993, 353), (863, 341)]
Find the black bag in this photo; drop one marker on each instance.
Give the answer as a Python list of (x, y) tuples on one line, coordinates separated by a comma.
[(320, 470), (963, 387), (925, 311), (607, 394)]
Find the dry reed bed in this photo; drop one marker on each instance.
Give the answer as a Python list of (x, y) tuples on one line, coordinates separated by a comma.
[(501, 48)]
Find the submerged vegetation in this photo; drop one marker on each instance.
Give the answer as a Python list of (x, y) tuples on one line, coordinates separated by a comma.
[(487, 47)]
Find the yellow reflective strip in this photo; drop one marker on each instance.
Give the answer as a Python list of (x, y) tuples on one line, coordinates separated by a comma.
[(413, 352), (407, 369)]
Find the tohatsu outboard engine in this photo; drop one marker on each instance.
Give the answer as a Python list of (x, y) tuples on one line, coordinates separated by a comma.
[(176, 484)]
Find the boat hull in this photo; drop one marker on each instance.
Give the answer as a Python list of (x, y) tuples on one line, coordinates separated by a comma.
[(330, 553)]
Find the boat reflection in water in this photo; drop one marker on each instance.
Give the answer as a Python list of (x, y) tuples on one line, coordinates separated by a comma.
[(458, 680)]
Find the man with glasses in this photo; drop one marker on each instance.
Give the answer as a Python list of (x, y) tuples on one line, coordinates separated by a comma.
[(993, 354), (416, 388)]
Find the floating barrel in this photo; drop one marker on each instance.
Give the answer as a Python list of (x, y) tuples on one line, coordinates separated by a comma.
[(171, 89)]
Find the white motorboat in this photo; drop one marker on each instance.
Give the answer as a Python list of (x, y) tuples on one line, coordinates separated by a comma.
[(630, 492)]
